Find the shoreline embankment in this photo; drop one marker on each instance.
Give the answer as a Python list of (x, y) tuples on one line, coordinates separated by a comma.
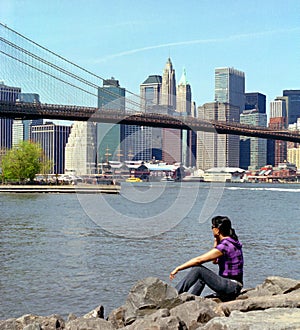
[(153, 304), (62, 189)]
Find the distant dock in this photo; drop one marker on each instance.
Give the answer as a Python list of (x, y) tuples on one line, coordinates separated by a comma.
[(65, 189)]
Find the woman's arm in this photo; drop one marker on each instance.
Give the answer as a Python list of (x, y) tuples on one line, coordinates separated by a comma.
[(216, 242), (208, 256)]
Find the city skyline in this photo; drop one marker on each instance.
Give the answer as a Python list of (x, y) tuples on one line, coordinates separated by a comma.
[(130, 43)]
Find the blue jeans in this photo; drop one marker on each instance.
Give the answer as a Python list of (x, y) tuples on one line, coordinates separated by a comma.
[(198, 276)]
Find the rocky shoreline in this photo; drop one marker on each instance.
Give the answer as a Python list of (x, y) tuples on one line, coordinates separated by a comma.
[(154, 305)]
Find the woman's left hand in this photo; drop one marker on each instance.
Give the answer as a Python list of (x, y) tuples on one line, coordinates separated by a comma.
[(173, 273)]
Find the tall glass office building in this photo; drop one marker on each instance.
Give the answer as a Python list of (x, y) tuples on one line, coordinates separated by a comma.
[(151, 93), (255, 101), (253, 150), (111, 97), (230, 87), (293, 105)]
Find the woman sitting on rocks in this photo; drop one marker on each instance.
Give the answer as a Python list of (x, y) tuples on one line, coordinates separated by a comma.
[(227, 253)]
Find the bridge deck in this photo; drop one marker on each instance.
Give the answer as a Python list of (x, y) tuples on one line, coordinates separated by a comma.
[(79, 113)]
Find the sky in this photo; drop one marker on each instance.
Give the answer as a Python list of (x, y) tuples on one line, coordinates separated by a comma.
[(130, 40)]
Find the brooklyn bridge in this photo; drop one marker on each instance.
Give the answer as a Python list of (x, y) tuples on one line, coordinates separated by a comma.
[(62, 84), (18, 110)]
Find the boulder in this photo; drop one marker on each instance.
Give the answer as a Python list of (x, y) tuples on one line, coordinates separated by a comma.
[(32, 322), (117, 317), (260, 302), (147, 296), (274, 285), (165, 323), (93, 323), (160, 320), (10, 324), (197, 312), (33, 326), (273, 318), (98, 312)]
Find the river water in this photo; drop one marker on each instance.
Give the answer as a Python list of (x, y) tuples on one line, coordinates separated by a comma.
[(63, 253)]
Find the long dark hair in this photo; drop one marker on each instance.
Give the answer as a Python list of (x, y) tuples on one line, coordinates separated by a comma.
[(224, 225)]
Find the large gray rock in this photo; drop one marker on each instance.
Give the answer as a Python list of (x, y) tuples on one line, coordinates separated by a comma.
[(82, 323), (274, 285), (147, 296), (166, 323), (197, 312), (33, 326), (289, 300), (10, 324), (160, 320), (274, 318), (117, 317), (45, 322)]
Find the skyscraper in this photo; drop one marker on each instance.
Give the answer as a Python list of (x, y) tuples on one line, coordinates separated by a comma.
[(137, 143), (217, 150), (255, 101), (172, 145), (171, 138), (111, 97), (253, 151), (168, 96), (150, 92), (184, 96), (80, 151), (278, 120), (22, 128), (293, 105), (53, 139), (184, 107), (10, 94), (230, 87)]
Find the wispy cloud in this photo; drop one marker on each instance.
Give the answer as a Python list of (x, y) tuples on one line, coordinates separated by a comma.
[(199, 41)]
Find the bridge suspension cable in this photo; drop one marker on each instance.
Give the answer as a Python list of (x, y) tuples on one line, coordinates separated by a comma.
[(76, 77)]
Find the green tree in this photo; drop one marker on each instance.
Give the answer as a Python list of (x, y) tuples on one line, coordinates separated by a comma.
[(23, 162)]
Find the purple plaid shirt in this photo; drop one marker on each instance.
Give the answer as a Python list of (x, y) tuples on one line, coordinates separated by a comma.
[(231, 262)]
